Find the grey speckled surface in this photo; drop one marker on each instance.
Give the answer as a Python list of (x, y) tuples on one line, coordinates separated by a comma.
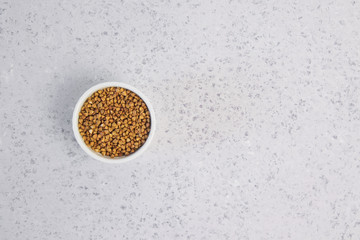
[(258, 115)]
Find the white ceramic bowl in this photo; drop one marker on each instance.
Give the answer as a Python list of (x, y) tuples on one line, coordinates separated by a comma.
[(97, 155)]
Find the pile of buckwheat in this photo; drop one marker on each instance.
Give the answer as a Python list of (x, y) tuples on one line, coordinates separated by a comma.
[(114, 121)]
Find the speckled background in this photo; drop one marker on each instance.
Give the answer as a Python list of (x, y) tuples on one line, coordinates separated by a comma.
[(258, 114)]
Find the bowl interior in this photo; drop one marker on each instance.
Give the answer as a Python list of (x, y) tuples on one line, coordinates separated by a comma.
[(97, 155)]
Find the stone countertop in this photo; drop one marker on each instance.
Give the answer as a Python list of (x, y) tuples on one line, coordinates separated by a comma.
[(258, 115)]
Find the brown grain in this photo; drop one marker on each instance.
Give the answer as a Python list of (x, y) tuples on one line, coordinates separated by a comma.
[(114, 122)]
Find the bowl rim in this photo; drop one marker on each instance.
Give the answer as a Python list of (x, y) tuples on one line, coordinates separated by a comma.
[(91, 152)]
